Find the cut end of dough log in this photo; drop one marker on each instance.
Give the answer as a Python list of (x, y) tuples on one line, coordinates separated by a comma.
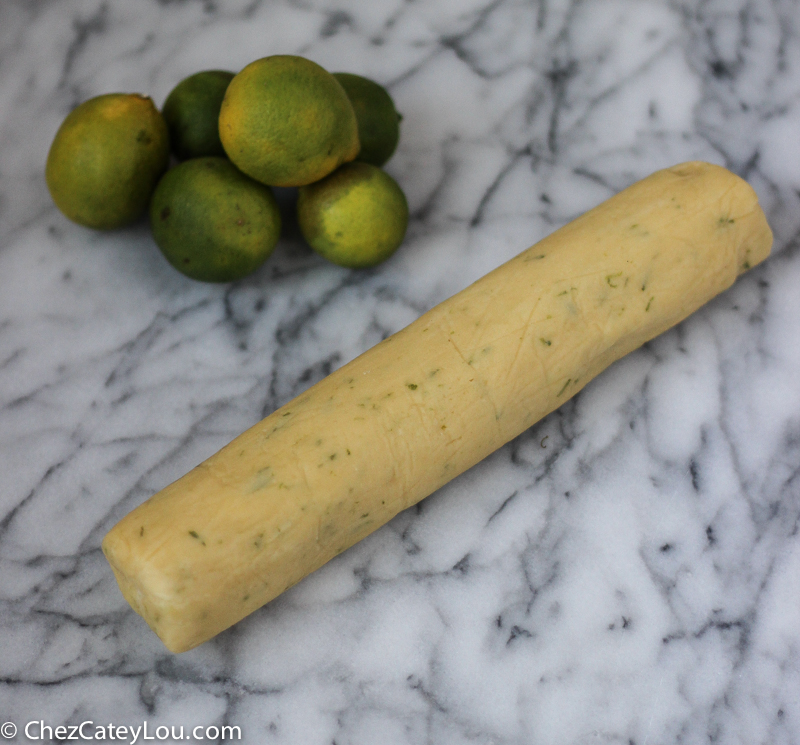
[(395, 424)]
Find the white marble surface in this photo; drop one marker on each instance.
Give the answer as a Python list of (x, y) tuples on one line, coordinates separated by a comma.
[(626, 572)]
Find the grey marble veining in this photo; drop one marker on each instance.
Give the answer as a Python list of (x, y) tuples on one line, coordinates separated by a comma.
[(626, 571)]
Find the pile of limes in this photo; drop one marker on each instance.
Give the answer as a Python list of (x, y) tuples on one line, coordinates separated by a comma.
[(282, 121)]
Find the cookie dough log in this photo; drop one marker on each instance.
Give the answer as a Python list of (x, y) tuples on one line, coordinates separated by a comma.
[(421, 407)]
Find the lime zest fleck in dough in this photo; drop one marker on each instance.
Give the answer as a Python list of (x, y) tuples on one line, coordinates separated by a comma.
[(195, 534)]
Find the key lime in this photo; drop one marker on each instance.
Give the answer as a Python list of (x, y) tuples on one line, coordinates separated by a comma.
[(213, 223), (192, 114), (106, 159), (356, 217), (378, 120), (286, 121)]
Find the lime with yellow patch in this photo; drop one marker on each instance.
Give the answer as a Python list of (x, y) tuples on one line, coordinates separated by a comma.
[(191, 112), (378, 120), (212, 222), (286, 121), (106, 159), (357, 217)]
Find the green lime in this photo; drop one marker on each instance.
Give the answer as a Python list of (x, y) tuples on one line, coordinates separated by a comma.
[(106, 159), (192, 114), (378, 120), (356, 217), (212, 222), (286, 121)]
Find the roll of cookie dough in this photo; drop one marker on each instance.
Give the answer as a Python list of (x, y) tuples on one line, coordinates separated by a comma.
[(421, 407)]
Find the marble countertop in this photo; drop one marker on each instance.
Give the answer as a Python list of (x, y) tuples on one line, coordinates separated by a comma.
[(625, 572)]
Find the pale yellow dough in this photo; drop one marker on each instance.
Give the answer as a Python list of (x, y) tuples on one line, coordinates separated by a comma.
[(421, 407)]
